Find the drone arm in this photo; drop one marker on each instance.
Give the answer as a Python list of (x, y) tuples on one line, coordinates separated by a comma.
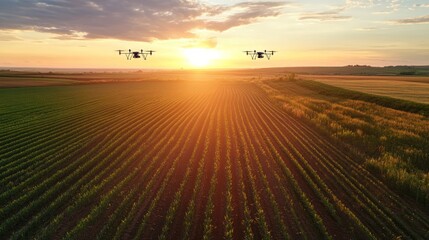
[(144, 56)]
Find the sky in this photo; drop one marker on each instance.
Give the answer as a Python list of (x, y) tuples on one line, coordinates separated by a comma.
[(190, 34)]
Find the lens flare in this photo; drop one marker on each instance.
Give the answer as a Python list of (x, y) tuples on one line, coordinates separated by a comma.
[(200, 57)]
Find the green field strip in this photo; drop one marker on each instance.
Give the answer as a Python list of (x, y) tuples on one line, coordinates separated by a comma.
[(197, 210), (76, 129), (171, 213), (108, 228), (235, 181), (250, 138), (189, 217), (260, 214), (39, 175), (125, 222), (247, 219), (59, 121), (317, 220), (84, 132), (253, 140), (54, 167), (273, 156), (118, 125), (289, 174), (182, 116), (145, 218), (31, 226), (44, 130), (158, 170), (86, 120), (73, 90), (310, 181), (209, 208), (21, 121), (265, 150), (63, 182), (229, 211)]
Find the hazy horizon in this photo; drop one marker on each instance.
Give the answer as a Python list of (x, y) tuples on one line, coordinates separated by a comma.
[(12, 68)]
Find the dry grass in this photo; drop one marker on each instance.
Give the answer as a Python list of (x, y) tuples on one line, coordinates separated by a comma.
[(394, 143), (407, 88)]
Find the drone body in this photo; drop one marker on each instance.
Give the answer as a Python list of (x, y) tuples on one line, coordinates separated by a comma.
[(135, 54), (255, 54)]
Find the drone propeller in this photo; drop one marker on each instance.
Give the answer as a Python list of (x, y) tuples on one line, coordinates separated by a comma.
[(272, 52), (120, 51), (150, 51)]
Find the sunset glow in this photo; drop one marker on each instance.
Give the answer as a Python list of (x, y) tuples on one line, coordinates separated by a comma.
[(200, 57), (194, 33)]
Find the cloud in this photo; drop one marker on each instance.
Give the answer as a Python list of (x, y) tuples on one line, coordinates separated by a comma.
[(359, 3), (367, 29), (331, 15), (246, 13), (423, 5), (205, 43), (8, 37), (388, 6), (416, 20), (139, 20)]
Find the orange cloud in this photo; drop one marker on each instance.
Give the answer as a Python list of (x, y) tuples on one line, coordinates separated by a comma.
[(139, 20)]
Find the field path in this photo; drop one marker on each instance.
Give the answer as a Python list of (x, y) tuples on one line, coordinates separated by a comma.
[(182, 160)]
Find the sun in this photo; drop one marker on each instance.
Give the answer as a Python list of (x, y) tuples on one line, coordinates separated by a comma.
[(200, 57)]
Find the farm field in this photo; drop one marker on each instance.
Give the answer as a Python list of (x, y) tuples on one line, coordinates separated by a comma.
[(408, 88), (185, 160), (9, 79)]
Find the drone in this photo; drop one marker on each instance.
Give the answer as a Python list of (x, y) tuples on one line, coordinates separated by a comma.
[(136, 54), (254, 54)]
